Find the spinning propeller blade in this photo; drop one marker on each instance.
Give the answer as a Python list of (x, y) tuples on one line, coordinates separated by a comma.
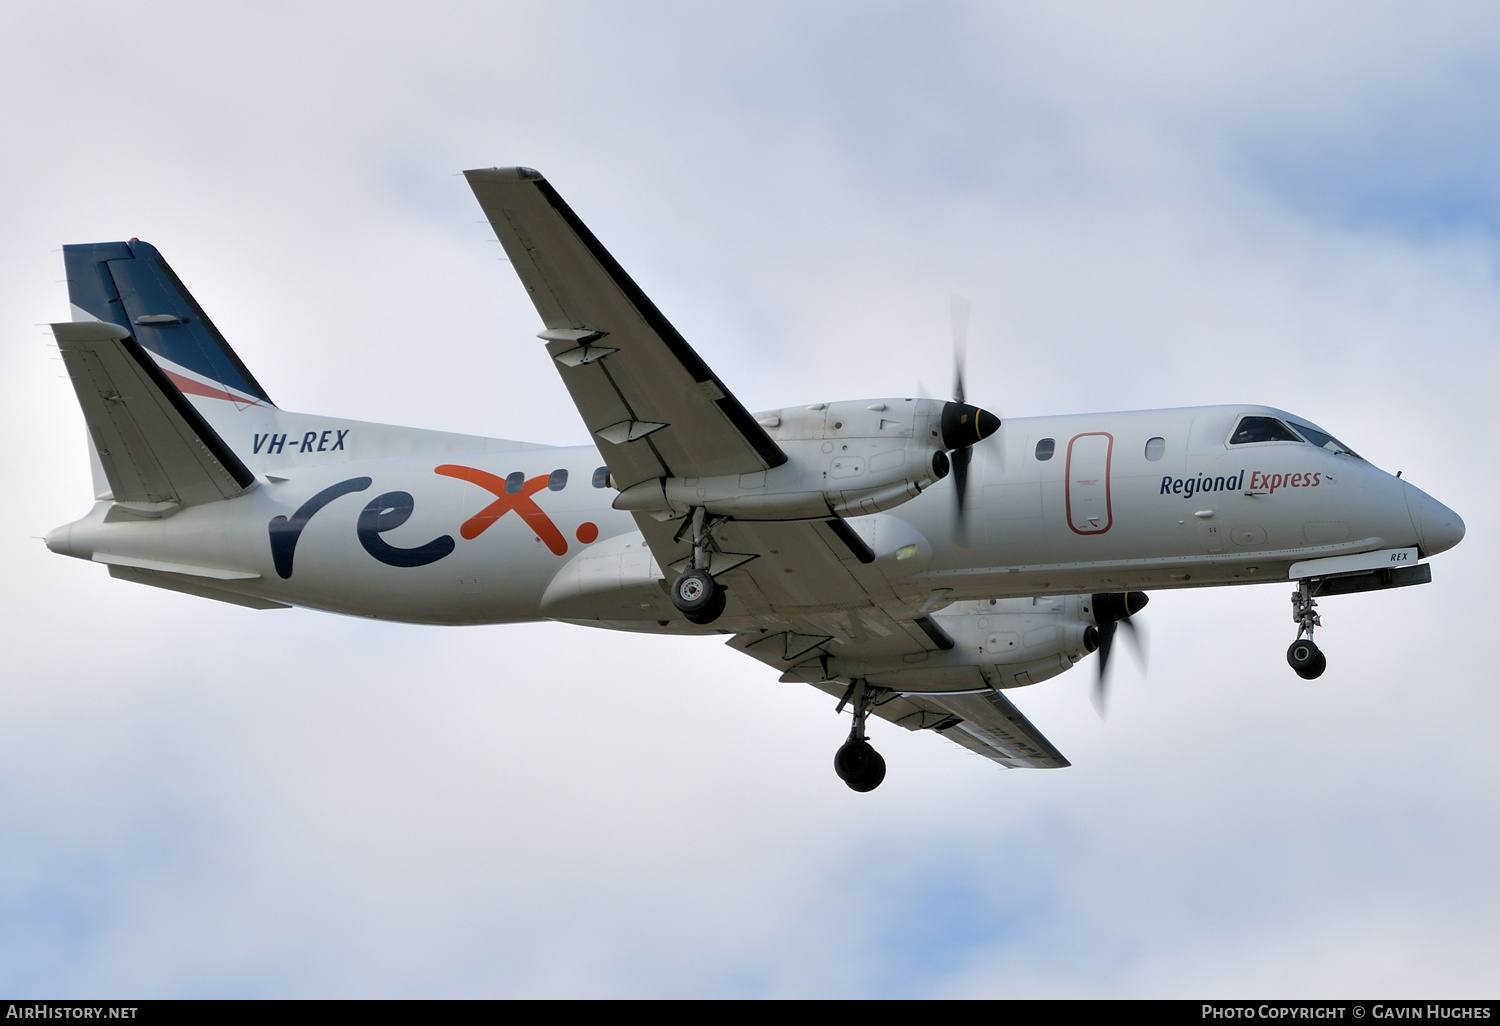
[(960, 344), (961, 456), (962, 424), (1112, 610)]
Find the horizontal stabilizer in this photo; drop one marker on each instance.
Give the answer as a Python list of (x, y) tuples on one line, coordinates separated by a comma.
[(191, 585), (212, 573), (157, 451)]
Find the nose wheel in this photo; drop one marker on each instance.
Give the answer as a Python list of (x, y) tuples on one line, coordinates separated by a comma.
[(1303, 655), (857, 763)]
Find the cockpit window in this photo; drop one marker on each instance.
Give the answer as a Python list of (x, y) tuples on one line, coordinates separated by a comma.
[(1262, 429), (1323, 439)]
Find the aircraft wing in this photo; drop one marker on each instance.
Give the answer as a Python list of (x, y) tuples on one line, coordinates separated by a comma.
[(803, 596), (825, 612), (983, 721), (986, 723), (653, 406)]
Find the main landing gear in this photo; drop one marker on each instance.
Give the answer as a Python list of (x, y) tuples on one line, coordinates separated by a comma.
[(857, 764), (698, 596), (695, 593), (1304, 656)]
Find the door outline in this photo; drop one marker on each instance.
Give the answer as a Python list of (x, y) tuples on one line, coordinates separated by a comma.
[(1109, 513)]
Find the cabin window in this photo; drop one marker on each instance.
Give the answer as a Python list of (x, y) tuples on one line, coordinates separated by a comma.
[(514, 482), (1323, 439), (1156, 448), (1262, 429), (557, 481), (1045, 448), (601, 477)]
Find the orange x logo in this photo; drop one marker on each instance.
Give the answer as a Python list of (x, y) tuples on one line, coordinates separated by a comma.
[(525, 507)]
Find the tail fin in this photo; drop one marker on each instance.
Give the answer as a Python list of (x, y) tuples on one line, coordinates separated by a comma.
[(129, 284)]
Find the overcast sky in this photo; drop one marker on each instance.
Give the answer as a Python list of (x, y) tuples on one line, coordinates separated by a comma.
[(1148, 205)]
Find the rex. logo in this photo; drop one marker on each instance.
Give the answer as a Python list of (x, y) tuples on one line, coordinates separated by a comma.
[(390, 510)]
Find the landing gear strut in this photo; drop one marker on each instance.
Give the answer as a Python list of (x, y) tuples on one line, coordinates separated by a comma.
[(857, 764), (695, 593), (1304, 656)]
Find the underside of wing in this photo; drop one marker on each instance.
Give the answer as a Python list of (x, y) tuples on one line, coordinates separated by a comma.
[(809, 599), (811, 578), (984, 722), (804, 599), (654, 407)]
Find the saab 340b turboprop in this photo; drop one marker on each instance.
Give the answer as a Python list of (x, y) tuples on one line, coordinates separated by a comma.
[(807, 535)]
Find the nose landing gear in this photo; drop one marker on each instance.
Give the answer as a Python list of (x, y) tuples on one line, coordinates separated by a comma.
[(856, 762), (1304, 656)]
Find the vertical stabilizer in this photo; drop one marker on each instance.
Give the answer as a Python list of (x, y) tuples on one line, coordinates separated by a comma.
[(129, 284)]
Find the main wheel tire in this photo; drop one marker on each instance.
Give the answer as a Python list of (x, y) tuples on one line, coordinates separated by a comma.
[(711, 612), (1306, 658), (1315, 671), (859, 765), (694, 591)]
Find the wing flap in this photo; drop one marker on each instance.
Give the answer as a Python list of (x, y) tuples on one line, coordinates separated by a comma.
[(641, 370)]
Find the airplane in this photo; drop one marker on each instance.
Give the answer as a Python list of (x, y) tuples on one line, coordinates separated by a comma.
[(818, 539)]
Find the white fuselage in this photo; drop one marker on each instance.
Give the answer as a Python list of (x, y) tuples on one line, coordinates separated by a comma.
[(1103, 513)]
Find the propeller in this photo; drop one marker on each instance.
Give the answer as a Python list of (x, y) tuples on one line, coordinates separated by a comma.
[(962, 424), (960, 344), (963, 456), (1113, 610)]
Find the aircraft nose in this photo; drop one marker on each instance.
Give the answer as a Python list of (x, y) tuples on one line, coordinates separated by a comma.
[(1438, 527)]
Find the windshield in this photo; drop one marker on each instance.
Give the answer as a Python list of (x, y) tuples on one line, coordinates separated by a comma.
[(1261, 429), (1323, 439)]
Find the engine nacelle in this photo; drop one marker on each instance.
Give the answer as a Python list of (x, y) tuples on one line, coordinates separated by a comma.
[(1016, 642), (999, 643), (843, 459)]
